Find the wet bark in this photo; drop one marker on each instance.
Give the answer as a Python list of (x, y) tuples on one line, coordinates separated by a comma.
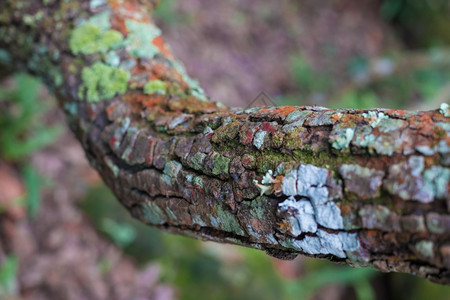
[(362, 187)]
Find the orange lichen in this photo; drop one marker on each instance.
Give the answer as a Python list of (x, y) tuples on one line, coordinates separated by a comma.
[(158, 42)]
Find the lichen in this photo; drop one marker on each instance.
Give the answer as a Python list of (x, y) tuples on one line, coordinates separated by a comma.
[(375, 117), (89, 38), (227, 221), (153, 214), (139, 40), (299, 214), (342, 141), (436, 181), (221, 164), (425, 248), (102, 82), (445, 109), (309, 181), (155, 87), (197, 160), (258, 140), (171, 170)]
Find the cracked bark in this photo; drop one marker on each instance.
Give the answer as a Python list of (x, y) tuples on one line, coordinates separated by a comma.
[(352, 186)]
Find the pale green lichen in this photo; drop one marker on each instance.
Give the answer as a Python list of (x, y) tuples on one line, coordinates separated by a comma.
[(436, 181), (198, 181), (139, 40), (197, 160), (220, 165), (102, 82), (153, 214), (268, 178), (425, 248), (94, 36), (112, 59), (155, 87), (445, 109), (375, 117), (195, 89), (171, 170), (343, 140), (227, 221)]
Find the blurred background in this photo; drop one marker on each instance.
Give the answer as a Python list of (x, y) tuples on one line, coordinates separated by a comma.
[(64, 236)]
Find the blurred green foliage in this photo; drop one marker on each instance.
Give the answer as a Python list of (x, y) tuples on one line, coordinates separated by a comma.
[(23, 132), (165, 11), (421, 23), (8, 276), (21, 119)]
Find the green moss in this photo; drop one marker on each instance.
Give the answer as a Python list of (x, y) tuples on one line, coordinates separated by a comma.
[(102, 82), (270, 160), (89, 38), (155, 87)]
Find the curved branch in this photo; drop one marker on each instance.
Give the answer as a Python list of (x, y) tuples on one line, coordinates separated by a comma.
[(364, 187)]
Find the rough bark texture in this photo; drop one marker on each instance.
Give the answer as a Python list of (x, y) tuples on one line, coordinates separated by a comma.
[(360, 187)]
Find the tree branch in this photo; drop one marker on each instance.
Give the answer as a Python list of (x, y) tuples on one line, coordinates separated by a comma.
[(364, 187)]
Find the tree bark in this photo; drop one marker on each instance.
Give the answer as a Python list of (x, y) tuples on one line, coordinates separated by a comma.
[(362, 187)]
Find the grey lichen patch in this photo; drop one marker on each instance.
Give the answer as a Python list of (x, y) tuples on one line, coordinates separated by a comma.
[(445, 109), (297, 216), (298, 115), (102, 82), (363, 182), (375, 217), (437, 181), (437, 223), (405, 181), (289, 186), (336, 244), (139, 40), (309, 181)]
